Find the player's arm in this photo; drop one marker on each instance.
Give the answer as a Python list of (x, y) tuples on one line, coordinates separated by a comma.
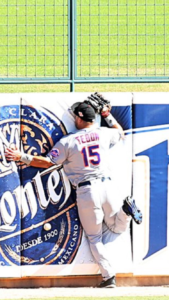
[(34, 161), (110, 120)]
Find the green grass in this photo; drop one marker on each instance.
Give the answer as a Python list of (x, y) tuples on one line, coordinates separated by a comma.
[(100, 298), (42, 88), (114, 38)]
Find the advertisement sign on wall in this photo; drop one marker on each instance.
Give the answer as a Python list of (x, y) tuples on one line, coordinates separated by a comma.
[(150, 160), (40, 231)]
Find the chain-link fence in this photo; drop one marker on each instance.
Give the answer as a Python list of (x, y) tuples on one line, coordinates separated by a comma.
[(121, 38), (33, 38), (100, 40)]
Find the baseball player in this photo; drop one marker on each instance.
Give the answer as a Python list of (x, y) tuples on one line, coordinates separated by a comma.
[(83, 157)]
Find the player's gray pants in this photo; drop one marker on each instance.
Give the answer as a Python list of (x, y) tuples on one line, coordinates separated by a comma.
[(95, 205)]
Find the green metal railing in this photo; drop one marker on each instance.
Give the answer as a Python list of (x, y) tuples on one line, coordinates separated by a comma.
[(84, 41)]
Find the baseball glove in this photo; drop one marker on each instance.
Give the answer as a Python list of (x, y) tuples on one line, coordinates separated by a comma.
[(98, 102)]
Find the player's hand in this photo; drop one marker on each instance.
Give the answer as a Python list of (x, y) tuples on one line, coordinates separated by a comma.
[(106, 108), (13, 154)]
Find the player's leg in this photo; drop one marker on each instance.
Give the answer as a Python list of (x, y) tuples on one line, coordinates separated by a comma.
[(116, 219), (91, 217)]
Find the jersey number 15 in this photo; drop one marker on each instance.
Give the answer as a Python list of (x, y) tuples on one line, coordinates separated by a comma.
[(91, 155)]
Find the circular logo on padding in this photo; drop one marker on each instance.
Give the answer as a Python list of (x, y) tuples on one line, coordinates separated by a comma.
[(39, 222)]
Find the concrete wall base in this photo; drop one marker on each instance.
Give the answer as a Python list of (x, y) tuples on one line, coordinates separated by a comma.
[(82, 281)]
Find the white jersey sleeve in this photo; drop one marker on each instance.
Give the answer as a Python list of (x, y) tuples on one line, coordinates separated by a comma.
[(115, 136), (110, 136), (59, 152)]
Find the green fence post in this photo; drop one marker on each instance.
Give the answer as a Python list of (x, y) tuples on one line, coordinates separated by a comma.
[(72, 6)]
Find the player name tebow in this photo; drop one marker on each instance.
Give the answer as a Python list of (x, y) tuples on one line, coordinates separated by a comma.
[(88, 137), (33, 193)]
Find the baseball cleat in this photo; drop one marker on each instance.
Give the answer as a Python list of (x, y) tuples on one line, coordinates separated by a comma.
[(109, 283), (130, 208)]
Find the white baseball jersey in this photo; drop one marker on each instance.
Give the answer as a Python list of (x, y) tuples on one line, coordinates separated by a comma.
[(83, 154)]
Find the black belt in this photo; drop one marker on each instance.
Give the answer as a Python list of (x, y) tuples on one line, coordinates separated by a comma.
[(89, 182)]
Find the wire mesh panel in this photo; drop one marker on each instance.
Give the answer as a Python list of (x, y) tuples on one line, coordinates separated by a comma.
[(33, 38), (122, 38), (76, 40)]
